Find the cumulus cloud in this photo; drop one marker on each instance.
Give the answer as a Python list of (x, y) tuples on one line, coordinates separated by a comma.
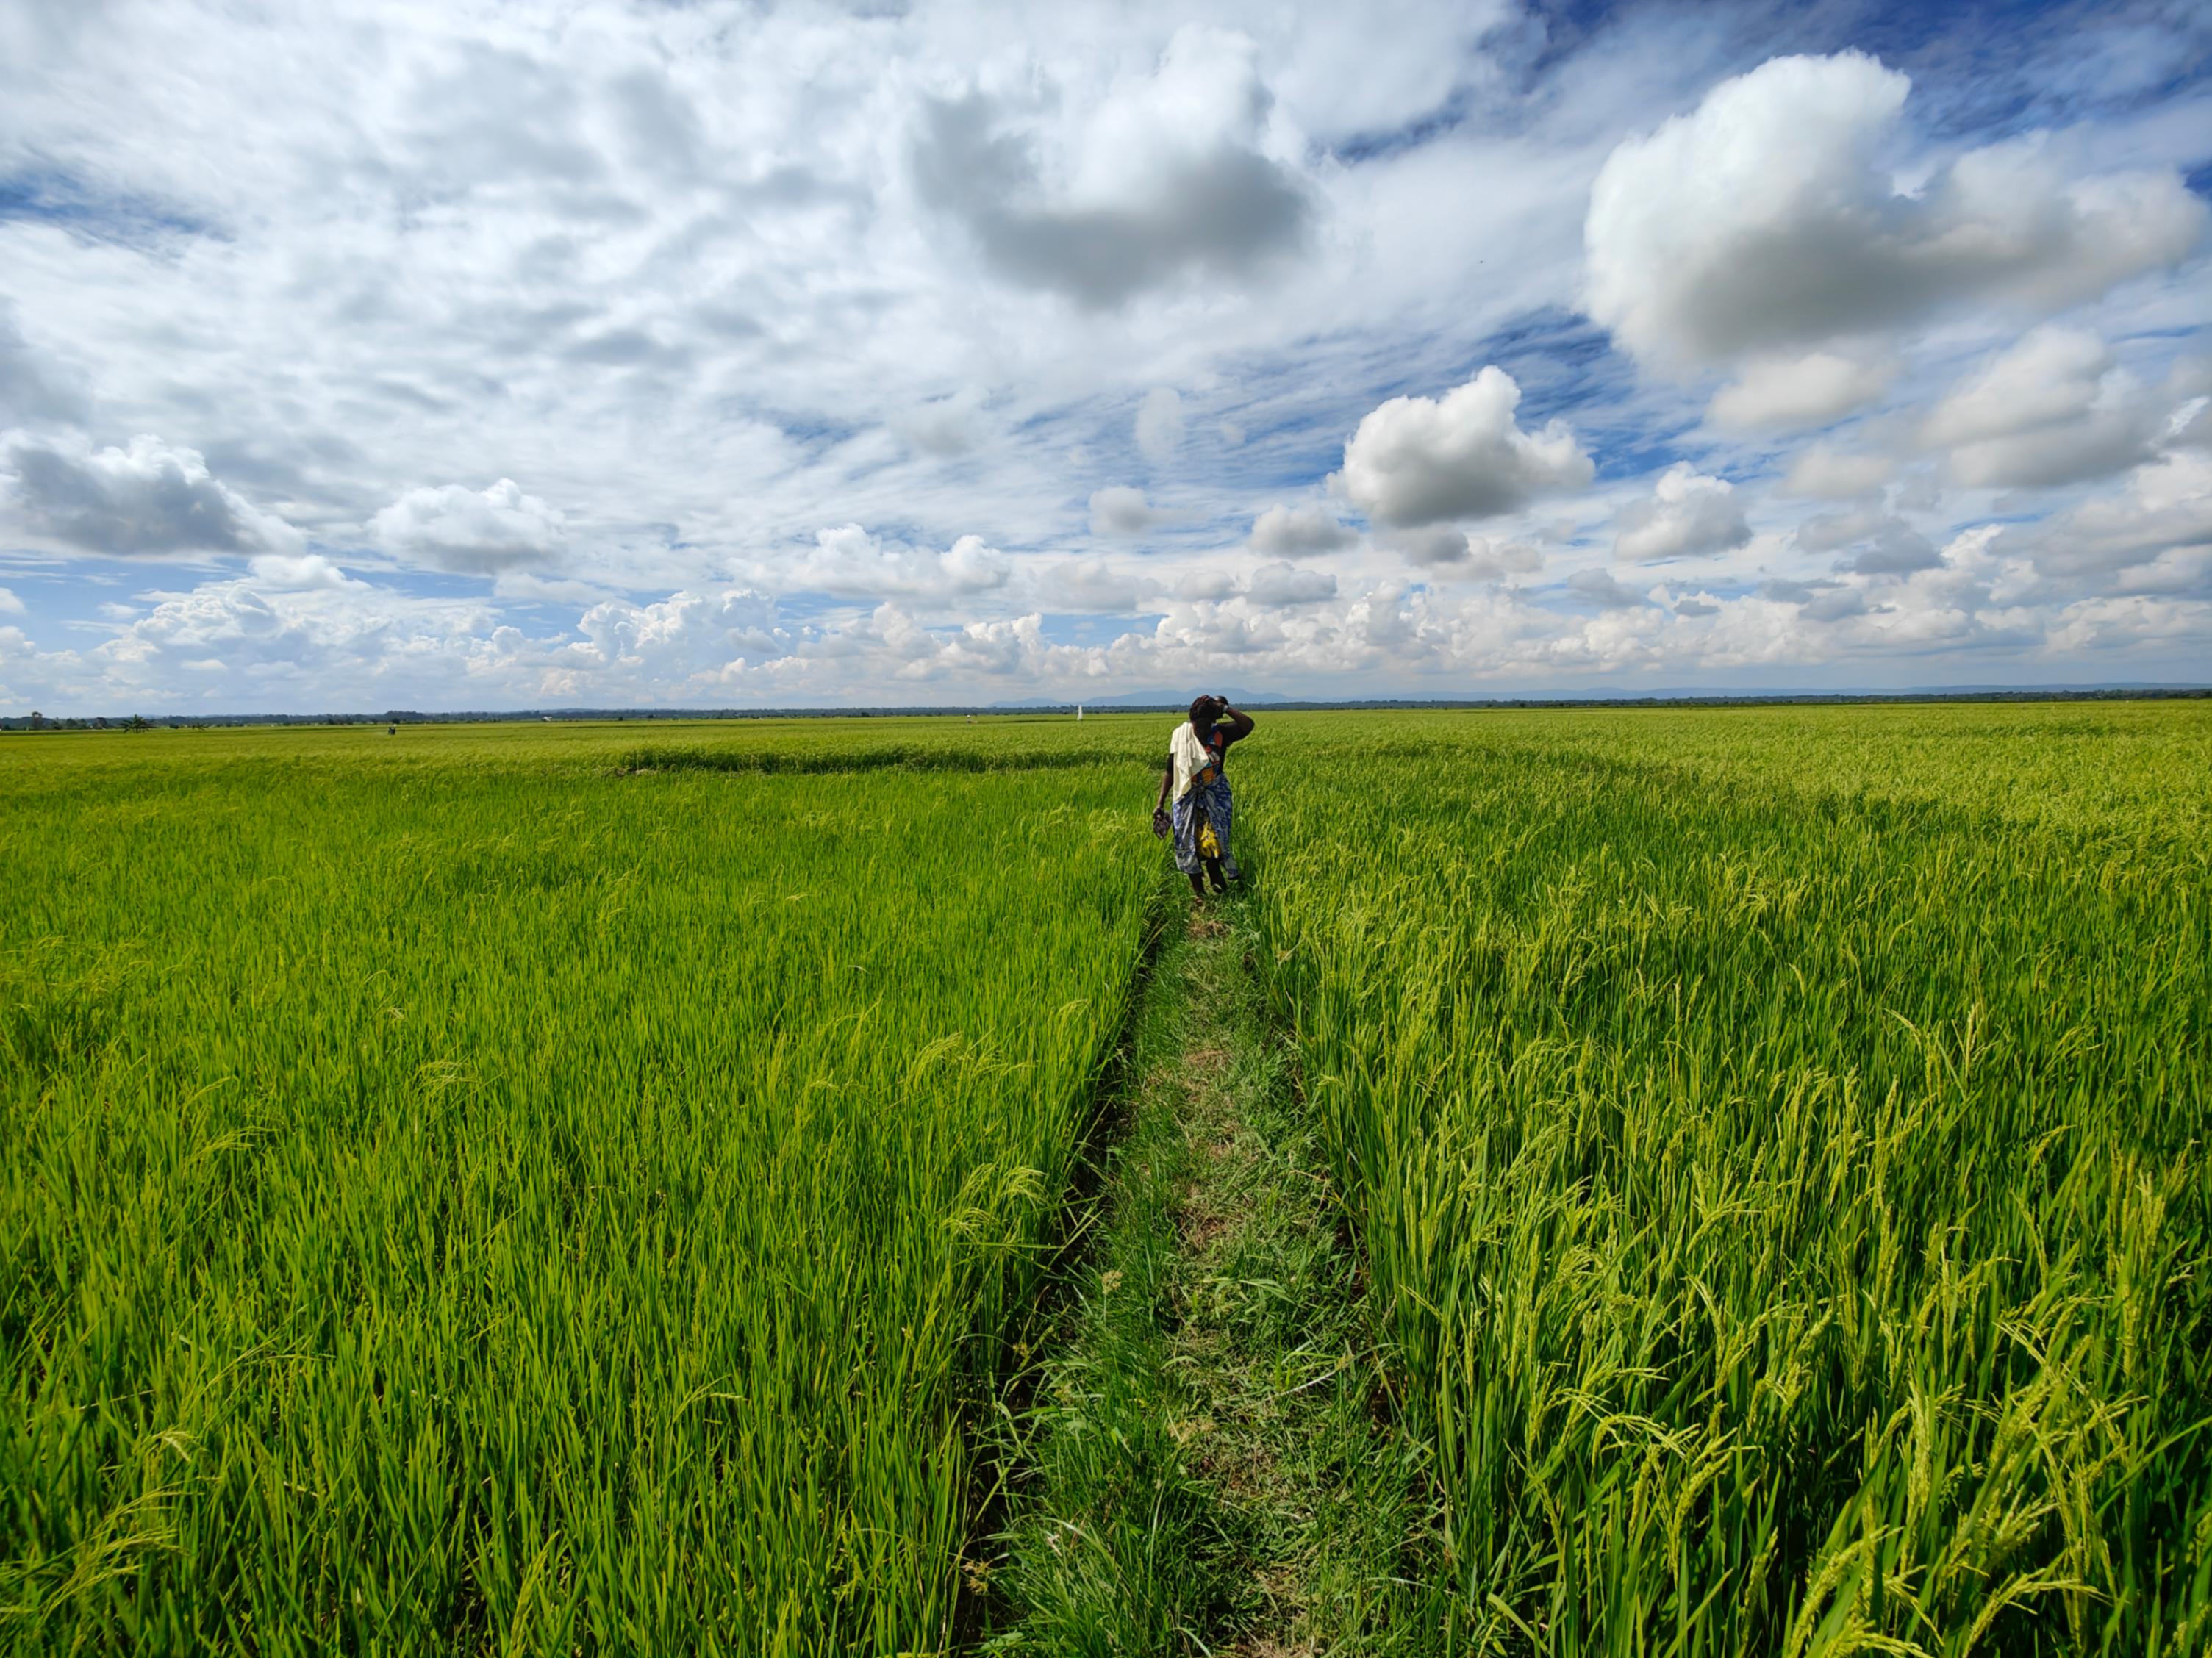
[(706, 273), (1688, 515), (1494, 560), (1165, 178), (1280, 584), (1431, 545), (849, 561), (2165, 506), (1120, 510), (1822, 472), (10, 604), (1605, 590), (244, 632), (1290, 531), (1766, 221), (1093, 585), (1159, 423), (1896, 549), (471, 532), (151, 498), (2052, 409), (1818, 601), (685, 635), (1206, 585), (944, 426), (32, 390), (1423, 460), (1791, 393), (295, 571), (2129, 624), (1881, 544)]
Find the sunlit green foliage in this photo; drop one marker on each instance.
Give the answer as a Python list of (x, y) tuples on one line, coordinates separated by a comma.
[(1778, 1140), (466, 1193)]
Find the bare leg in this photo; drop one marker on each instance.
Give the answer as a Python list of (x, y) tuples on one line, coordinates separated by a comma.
[(1213, 874), (1197, 887)]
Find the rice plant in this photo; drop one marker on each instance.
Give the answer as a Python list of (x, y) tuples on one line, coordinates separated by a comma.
[(466, 1194), (535, 1190), (1778, 1140)]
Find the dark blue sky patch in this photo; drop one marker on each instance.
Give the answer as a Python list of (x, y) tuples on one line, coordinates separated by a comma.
[(1378, 145), (912, 531), (812, 432), (53, 197)]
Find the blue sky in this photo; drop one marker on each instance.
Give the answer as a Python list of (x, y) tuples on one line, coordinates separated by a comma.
[(504, 356)]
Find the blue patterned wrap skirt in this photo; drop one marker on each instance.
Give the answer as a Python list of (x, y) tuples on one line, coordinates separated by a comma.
[(1213, 799)]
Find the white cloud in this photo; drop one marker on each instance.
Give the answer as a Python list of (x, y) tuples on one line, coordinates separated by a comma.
[(2191, 425), (2164, 507), (2130, 623), (1818, 601), (1159, 423), (471, 532), (1431, 545), (1765, 220), (1689, 515), (944, 426), (1881, 544), (1279, 584), (10, 604), (1605, 590), (1423, 460), (1822, 472), (1165, 178), (681, 636), (1494, 560), (683, 273), (249, 636), (1290, 531), (31, 389), (151, 498), (850, 562), (290, 570), (1093, 585), (1790, 394), (1120, 510), (2052, 409), (1206, 585)]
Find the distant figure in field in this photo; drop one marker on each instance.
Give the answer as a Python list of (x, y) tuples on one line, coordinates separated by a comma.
[(1198, 821)]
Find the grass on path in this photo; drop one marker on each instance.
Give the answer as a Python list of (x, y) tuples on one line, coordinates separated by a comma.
[(1205, 1465)]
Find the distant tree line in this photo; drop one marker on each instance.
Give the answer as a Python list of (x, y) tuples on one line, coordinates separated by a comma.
[(35, 721)]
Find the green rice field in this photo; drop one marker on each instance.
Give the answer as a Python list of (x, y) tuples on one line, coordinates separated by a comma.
[(580, 1189)]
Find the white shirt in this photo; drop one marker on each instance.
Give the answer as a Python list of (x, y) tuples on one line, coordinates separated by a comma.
[(1190, 757)]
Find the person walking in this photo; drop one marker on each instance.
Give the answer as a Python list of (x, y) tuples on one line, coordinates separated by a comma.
[(1198, 821)]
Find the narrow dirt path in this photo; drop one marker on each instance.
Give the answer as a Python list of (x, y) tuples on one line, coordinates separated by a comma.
[(1204, 1467)]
